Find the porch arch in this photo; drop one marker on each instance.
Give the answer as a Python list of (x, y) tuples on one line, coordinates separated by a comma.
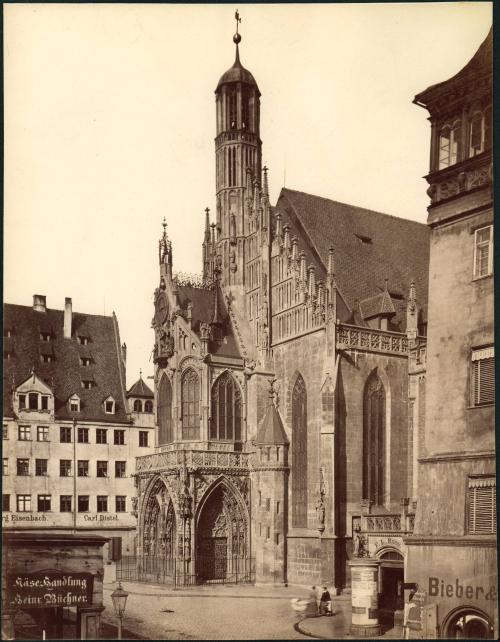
[(222, 532)]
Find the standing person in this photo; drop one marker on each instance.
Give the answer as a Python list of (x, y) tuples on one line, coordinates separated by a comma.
[(325, 604), (313, 600)]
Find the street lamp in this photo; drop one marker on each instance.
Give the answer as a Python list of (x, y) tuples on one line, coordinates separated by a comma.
[(119, 597)]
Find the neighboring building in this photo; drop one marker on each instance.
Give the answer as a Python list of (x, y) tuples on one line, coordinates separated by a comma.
[(452, 553), (64, 375), (327, 301)]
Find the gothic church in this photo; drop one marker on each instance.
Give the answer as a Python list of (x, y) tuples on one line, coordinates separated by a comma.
[(289, 381)]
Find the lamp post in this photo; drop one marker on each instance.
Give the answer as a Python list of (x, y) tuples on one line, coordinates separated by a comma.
[(119, 597)]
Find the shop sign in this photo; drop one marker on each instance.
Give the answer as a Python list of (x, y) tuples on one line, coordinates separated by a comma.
[(49, 588), (382, 542)]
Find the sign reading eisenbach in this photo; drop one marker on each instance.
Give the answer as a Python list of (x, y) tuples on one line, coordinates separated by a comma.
[(49, 588)]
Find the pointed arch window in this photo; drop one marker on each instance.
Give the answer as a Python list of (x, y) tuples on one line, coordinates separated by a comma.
[(165, 429), (225, 419), (299, 454), (374, 440), (190, 391)]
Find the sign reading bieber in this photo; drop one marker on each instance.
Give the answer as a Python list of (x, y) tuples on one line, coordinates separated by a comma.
[(49, 588)]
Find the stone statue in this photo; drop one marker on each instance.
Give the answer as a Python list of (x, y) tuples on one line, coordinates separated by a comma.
[(320, 514)]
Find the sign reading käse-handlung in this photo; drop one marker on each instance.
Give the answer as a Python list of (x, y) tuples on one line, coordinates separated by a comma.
[(49, 588)]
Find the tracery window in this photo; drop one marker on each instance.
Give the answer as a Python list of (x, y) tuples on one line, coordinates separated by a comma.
[(374, 440), (165, 432), (225, 420), (299, 454), (190, 391)]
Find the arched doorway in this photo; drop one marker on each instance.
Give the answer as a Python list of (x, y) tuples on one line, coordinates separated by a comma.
[(467, 623), (391, 580), (221, 536), (158, 534)]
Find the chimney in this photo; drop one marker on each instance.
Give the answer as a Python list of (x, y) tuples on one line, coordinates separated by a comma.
[(68, 313), (39, 303)]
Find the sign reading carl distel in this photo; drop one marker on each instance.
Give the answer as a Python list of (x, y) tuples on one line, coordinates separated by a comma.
[(49, 588)]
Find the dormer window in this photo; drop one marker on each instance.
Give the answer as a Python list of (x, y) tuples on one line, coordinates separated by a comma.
[(45, 336), (85, 361), (137, 405), (44, 402), (148, 406), (46, 358), (22, 402), (33, 400), (83, 341), (74, 403), (87, 384), (109, 406)]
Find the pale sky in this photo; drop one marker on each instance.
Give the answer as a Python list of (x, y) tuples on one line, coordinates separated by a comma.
[(110, 125)]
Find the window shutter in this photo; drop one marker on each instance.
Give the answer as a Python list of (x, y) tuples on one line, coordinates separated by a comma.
[(483, 375), (482, 506)]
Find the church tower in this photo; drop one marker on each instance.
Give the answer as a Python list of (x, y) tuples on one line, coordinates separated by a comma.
[(238, 163)]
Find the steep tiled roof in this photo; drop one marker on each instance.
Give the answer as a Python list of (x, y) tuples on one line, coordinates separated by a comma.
[(65, 373), (202, 300), (369, 247), (140, 389), (377, 305), (271, 429)]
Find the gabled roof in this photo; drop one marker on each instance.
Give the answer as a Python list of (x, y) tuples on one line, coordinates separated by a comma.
[(65, 373), (202, 300), (369, 247), (378, 305), (271, 429), (140, 389)]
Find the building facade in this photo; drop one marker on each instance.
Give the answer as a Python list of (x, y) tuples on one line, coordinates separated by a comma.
[(452, 552), (289, 380), (69, 438)]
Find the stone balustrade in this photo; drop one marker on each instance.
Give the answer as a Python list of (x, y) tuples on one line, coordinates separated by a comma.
[(371, 340), (388, 523), (192, 459)]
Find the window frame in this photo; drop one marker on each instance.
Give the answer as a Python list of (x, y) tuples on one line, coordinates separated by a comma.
[(473, 483), (120, 469), (62, 501), (102, 466), (5, 466), (119, 437), (44, 432), (22, 431), (489, 244), (99, 434), (6, 503), (478, 356), (42, 501), (82, 465), (118, 504), (143, 436), (82, 430), (66, 431), (65, 470), (102, 499), (80, 500), (43, 467), (23, 500), (20, 467)]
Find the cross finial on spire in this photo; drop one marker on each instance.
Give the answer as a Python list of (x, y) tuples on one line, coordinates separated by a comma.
[(140, 374), (164, 223), (237, 37)]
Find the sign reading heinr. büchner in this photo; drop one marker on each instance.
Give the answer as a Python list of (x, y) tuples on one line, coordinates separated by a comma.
[(49, 588)]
